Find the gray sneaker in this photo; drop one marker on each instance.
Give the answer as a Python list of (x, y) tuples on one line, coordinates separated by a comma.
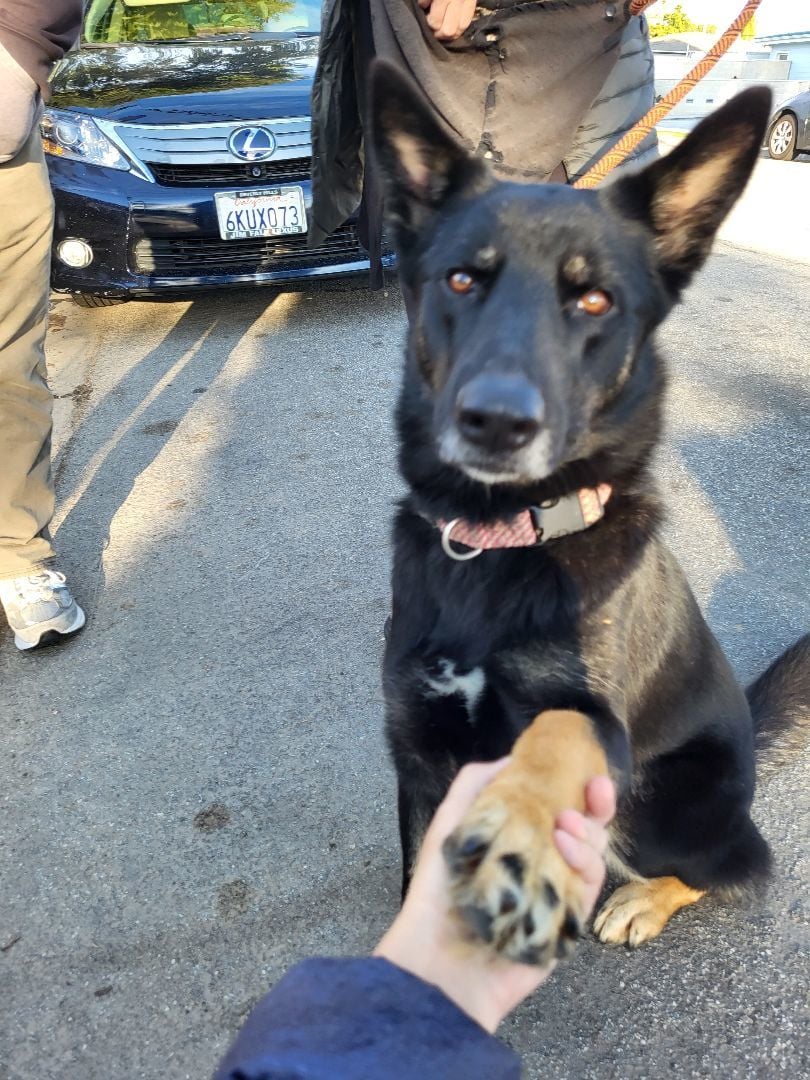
[(40, 608)]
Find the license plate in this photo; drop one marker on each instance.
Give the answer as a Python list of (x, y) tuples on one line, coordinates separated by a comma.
[(261, 212)]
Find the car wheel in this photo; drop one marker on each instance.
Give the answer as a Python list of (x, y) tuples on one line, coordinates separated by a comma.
[(84, 299), (782, 139)]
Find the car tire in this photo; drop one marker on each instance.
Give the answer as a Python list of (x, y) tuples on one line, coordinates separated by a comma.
[(782, 138), (90, 300)]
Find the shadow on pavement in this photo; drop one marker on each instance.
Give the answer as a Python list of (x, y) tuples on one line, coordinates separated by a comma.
[(103, 458)]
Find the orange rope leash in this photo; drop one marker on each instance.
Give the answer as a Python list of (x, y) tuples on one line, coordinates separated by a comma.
[(637, 6), (627, 144)]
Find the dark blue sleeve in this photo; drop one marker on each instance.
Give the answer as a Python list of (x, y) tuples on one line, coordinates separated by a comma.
[(362, 1020)]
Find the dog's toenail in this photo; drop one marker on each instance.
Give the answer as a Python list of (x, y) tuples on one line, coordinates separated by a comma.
[(552, 896), (515, 865), (465, 856), (564, 948), (508, 901), (473, 845), (571, 927), (478, 920), (535, 954)]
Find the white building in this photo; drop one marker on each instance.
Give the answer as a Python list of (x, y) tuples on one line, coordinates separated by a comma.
[(746, 63), (676, 54), (793, 48)]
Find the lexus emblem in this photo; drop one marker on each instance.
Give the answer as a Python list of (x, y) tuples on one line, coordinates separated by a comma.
[(252, 143)]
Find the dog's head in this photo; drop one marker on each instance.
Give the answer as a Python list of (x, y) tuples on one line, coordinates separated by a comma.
[(535, 303)]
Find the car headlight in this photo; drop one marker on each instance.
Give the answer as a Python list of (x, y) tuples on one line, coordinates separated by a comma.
[(71, 135)]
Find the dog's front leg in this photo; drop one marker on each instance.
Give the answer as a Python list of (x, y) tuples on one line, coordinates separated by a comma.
[(415, 808), (510, 884)]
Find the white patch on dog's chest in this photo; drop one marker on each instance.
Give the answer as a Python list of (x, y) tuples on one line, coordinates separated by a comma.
[(445, 681)]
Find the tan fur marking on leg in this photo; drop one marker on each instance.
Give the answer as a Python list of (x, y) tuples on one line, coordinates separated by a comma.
[(554, 758), (639, 911)]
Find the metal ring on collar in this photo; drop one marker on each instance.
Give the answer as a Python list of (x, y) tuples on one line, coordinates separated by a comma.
[(458, 556)]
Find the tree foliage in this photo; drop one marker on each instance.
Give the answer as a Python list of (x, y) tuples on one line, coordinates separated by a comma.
[(676, 22)]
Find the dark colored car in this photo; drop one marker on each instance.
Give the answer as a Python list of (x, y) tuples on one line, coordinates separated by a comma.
[(789, 129), (178, 141)]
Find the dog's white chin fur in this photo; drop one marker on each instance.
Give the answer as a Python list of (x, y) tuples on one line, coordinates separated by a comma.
[(492, 478), (535, 462)]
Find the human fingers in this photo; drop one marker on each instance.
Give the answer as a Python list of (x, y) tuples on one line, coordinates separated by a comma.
[(581, 855), (436, 13), (600, 807), (583, 828), (457, 18), (425, 4), (600, 799)]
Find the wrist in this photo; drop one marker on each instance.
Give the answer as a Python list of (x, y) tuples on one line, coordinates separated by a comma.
[(462, 982)]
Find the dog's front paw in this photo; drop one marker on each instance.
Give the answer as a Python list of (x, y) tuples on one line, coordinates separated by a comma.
[(639, 911), (509, 883)]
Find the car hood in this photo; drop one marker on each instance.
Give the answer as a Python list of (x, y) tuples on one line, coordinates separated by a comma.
[(195, 83)]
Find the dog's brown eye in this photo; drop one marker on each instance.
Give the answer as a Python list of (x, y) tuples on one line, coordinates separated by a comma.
[(594, 302), (460, 281)]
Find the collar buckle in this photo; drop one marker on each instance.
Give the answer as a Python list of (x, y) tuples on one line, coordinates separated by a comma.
[(555, 518)]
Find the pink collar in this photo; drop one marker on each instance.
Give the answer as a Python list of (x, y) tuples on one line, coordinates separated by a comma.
[(535, 525)]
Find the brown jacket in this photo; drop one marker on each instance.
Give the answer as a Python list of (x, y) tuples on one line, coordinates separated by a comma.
[(541, 90), (37, 33)]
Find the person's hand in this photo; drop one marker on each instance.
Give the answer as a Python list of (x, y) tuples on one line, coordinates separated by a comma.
[(448, 19), (426, 938)]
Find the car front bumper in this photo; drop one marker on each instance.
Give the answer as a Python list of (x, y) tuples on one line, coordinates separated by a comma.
[(152, 240)]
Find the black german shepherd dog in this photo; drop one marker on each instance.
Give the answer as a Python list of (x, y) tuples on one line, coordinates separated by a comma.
[(530, 408)]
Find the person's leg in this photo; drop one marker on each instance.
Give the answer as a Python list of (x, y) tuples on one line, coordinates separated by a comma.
[(26, 485), (26, 489)]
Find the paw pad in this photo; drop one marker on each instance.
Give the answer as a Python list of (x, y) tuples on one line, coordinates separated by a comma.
[(512, 888)]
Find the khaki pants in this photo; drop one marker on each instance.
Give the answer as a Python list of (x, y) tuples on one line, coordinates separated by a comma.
[(26, 485)]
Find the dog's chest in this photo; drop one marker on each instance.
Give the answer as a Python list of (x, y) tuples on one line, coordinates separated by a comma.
[(443, 677)]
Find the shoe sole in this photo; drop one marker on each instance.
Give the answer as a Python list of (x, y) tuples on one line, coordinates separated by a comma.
[(50, 635)]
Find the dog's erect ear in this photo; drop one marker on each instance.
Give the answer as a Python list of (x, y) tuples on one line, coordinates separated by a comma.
[(421, 163), (685, 196)]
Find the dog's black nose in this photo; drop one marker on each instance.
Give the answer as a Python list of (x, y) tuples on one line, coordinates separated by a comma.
[(499, 412)]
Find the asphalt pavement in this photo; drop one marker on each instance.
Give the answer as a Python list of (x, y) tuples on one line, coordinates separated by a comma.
[(196, 792)]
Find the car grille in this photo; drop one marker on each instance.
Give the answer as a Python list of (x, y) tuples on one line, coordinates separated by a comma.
[(207, 144), (293, 169), (166, 257)]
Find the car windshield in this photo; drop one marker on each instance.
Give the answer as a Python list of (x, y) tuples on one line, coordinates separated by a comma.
[(118, 22)]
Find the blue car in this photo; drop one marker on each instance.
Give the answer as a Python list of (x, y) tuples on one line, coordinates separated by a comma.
[(178, 142)]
